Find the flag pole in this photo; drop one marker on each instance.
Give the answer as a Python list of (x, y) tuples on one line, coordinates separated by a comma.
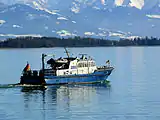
[(43, 56)]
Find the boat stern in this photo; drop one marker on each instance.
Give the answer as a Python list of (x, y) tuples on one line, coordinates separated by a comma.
[(32, 78)]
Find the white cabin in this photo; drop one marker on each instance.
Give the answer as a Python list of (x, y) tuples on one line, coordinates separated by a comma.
[(73, 66)]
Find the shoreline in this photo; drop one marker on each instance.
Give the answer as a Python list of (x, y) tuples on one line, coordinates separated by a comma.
[(81, 47), (78, 42)]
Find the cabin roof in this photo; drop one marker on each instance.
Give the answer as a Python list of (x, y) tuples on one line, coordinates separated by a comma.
[(70, 58)]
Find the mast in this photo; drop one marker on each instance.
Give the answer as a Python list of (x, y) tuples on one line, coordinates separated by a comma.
[(88, 65), (66, 52), (43, 56)]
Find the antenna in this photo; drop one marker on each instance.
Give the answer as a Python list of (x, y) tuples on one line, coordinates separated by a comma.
[(82, 54), (66, 52)]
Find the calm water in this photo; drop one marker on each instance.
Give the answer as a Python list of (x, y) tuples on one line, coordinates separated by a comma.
[(133, 93)]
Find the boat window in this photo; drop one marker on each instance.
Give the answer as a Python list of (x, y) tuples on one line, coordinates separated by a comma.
[(85, 64), (89, 64), (73, 67), (92, 63), (79, 65)]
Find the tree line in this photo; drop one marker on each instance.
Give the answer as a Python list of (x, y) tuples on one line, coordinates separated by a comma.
[(38, 42)]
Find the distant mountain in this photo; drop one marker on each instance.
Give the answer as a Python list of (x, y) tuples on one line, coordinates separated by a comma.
[(95, 18), (61, 4), (2, 6), (23, 19), (155, 9)]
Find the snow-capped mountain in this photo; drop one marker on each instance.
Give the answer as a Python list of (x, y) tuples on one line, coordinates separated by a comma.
[(96, 18), (2, 6), (147, 4)]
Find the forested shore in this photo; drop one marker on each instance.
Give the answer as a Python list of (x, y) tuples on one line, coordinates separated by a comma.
[(38, 42)]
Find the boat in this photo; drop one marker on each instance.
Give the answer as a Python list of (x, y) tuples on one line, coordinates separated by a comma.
[(67, 70)]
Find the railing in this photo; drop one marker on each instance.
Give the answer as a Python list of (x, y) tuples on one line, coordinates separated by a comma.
[(104, 67), (49, 72)]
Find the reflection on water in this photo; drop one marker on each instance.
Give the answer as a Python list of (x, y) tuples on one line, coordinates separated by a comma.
[(33, 88), (62, 101)]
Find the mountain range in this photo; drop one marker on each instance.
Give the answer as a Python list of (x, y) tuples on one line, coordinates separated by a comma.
[(112, 19)]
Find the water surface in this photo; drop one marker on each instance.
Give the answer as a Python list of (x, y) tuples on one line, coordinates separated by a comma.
[(133, 93)]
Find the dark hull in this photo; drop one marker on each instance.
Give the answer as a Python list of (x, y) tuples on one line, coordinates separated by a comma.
[(34, 80)]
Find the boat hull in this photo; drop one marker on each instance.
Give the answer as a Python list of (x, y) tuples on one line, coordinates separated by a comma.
[(33, 80), (96, 77)]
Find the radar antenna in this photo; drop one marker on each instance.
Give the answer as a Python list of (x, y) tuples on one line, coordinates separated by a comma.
[(66, 51)]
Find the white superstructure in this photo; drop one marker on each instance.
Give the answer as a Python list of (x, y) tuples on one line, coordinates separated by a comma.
[(73, 66)]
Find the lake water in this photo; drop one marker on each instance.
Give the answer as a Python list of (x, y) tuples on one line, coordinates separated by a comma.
[(133, 93)]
